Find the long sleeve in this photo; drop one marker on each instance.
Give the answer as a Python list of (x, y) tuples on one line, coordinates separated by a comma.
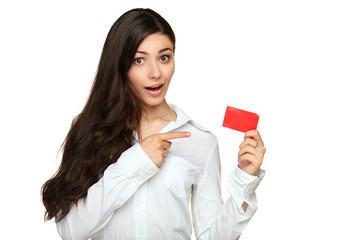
[(214, 219), (119, 182)]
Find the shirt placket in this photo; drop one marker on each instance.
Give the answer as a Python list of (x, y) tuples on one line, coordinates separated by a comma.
[(140, 212)]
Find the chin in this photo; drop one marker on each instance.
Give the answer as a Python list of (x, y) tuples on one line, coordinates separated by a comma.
[(153, 102)]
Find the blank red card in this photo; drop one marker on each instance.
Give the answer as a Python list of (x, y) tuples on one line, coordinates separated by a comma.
[(240, 120)]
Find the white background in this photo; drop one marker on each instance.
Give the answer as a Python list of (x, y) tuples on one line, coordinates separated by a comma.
[(296, 63)]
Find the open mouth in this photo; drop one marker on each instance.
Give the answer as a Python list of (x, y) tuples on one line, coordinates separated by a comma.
[(154, 88)]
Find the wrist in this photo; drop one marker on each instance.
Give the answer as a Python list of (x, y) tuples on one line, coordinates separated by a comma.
[(253, 172)]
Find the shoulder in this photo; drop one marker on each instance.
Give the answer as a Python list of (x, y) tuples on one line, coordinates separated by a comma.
[(202, 135), (200, 127)]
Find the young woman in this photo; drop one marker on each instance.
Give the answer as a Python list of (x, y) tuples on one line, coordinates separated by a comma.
[(121, 177)]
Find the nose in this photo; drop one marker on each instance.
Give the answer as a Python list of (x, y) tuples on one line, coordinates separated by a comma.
[(154, 71)]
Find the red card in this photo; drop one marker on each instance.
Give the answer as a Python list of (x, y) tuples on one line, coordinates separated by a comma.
[(240, 120)]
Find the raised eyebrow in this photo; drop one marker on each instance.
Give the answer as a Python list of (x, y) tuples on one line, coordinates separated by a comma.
[(141, 52), (161, 51), (165, 49)]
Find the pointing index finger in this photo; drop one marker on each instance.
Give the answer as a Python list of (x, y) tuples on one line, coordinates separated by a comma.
[(174, 135)]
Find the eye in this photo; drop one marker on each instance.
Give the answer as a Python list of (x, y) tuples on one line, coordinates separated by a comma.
[(164, 58), (138, 61)]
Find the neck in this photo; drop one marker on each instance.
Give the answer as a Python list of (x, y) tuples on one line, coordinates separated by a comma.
[(161, 111)]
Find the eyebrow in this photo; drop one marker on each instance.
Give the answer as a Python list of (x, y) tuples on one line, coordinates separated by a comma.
[(162, 50)]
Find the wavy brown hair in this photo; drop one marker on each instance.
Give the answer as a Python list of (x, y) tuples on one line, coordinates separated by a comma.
[(104, 128)]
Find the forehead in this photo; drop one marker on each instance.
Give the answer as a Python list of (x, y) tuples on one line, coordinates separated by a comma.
[(155, 42)]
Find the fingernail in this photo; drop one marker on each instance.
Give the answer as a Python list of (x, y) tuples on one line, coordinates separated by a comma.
[(188, 134)]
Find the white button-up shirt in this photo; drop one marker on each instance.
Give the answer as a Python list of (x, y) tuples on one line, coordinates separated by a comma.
[(137, 200)]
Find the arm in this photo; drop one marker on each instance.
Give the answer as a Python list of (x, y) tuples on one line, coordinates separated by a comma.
[(213, 219), (119, 182)]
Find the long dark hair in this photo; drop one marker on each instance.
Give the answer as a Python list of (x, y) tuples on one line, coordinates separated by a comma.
[(105, 127)]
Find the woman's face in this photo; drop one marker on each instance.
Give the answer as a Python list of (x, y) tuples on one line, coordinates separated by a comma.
[(153, 66)]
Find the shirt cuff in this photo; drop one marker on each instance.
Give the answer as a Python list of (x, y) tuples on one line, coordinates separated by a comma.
[(242, 188), (247, 182), (242, 185)]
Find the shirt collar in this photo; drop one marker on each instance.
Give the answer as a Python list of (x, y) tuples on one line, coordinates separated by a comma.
[(181, 120)]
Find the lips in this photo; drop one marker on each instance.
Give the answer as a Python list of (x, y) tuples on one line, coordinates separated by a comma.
[(155, 89)]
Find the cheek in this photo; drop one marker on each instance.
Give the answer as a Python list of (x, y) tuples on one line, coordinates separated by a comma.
[(134, 88), (169, 72), (133, 79)]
